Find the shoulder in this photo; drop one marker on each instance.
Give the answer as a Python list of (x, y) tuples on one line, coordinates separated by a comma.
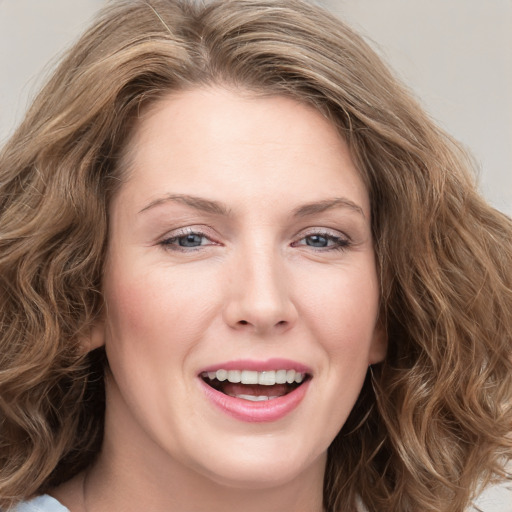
[(43, 503)]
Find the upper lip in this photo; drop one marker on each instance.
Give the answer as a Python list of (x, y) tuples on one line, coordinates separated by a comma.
[(258, 365)]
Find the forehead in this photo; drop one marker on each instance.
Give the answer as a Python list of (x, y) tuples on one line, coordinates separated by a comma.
[(212, 139)]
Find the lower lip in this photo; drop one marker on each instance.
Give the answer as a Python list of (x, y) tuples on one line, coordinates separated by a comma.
[(264, 411)]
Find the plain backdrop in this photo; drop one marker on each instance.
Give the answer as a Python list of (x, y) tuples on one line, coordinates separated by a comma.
[(455, 55)]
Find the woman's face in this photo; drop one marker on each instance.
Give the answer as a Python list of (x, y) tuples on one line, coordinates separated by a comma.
[(240, 249)]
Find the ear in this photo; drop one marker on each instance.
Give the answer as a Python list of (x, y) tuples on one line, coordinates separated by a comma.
[(95, 338), (379, 346)]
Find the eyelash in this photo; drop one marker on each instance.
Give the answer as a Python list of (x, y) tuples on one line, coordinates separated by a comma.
[(339, 243), (170, 243)]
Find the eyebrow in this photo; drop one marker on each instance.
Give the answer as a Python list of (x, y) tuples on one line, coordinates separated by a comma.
[(216, 208), (327, 204), (199, 203)]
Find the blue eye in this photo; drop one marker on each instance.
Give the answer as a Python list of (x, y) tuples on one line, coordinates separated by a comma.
[(317, 241), (186, 241), (324, 241), (191, 240)]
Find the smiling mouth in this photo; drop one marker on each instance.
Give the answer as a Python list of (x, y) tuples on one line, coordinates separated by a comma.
[(255, 386)]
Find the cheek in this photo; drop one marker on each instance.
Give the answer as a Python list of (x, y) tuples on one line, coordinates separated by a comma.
[(343, 306), (155, 312)]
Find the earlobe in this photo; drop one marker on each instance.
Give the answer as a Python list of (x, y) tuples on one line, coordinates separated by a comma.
[(95, 338), (379, 345)]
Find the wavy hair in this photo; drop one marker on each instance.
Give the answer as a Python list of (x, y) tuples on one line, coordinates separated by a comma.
[(432, 424)]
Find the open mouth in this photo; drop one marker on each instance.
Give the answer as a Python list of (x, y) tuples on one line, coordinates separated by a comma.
[(255, 386)]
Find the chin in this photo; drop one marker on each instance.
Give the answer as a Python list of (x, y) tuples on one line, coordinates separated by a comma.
[(263, 469)]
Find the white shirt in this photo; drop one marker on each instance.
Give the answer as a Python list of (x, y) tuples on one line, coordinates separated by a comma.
[(43, 503)]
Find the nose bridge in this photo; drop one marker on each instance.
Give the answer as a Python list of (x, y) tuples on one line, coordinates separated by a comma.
[(259, 297)]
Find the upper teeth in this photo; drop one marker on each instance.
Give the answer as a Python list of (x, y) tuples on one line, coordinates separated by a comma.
[(267, 378)]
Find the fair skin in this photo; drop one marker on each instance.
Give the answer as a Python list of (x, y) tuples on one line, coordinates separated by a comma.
[(240, 240)]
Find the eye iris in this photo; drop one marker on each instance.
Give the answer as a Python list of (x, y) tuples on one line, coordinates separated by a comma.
[(191, 240), (317, 241)]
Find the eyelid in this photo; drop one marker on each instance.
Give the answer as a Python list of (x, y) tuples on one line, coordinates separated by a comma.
[(322, 231), (336, 240), (185, 231)]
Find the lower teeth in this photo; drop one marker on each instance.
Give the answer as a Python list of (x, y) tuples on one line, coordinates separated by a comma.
[(253, 398)]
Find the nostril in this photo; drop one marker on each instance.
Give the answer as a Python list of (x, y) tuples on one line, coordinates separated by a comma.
[(280, 323)]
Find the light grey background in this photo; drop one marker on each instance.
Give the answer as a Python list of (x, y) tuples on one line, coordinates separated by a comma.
[(456, 55)]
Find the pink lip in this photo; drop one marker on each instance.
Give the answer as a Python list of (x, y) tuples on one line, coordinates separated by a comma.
[(259, 366), (244, 410)]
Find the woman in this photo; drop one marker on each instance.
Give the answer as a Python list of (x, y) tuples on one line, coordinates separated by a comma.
[(241, 269)]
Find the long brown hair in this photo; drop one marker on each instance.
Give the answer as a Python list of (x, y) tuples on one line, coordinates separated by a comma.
[(433, 420)]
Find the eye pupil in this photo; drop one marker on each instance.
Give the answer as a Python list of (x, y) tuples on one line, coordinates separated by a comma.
[(191, 240), (316, 241)]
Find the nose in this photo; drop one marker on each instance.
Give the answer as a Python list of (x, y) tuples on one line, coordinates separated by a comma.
[(259, 294)]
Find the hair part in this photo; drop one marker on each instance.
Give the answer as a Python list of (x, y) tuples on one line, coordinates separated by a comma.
[(433, 420)]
